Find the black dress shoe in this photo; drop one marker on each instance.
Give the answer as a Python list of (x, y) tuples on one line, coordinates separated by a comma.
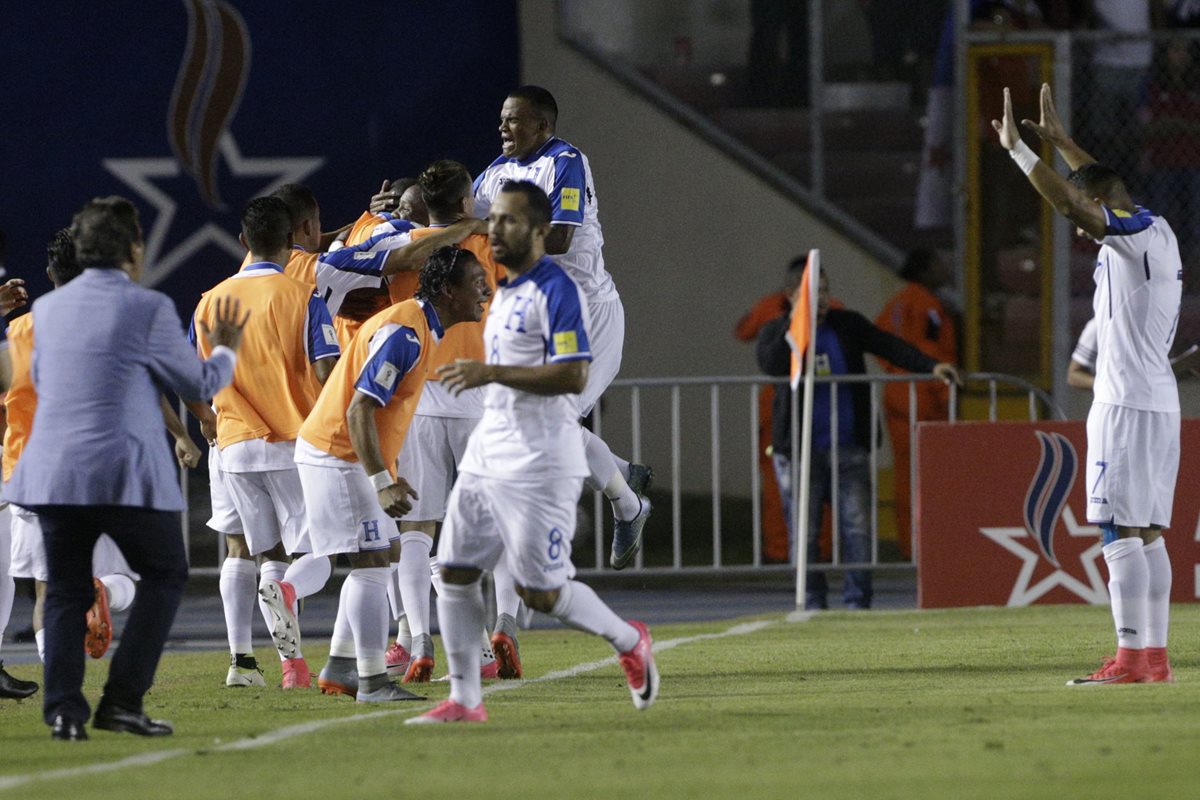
[(120, 720), (68, 730), (15, 687)]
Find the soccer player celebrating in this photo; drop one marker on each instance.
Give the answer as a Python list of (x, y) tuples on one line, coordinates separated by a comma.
[(347, 457), (1133, 425), (521, 476), (531, 152), (258, 418)]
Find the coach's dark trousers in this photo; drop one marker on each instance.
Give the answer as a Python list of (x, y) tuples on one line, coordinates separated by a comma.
[(152, 543)]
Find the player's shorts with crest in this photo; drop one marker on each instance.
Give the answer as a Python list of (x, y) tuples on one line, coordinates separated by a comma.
[(606, 339), (429, 462), (224, 517), (531, 523), (29, 550), (344, 515), (270, 505), (1132, 463)]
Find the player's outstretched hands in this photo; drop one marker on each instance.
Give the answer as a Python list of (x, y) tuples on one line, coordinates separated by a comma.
[(1049, 127), (228, 325), (1010, 134), (394, 498), (948, 372), (463, 374), (13, 295), (384, 200)]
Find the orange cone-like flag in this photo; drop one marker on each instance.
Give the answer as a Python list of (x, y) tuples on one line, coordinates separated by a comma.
[(803, 308)]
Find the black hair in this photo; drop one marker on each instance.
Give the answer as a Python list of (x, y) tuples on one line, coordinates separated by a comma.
[(916, 263), (266, 224), (541, 100), (60, 258), (402, 185), (105, 231), (539, 203), (444, 184), (300, 200), (444, 267), (1096, 179)]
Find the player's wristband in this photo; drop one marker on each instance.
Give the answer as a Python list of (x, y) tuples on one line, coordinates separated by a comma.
[(381, 480), (1025, 157)]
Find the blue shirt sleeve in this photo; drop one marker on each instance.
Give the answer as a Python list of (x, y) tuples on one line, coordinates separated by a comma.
[(192, 330), (388, 365), (567, 335), (1122, 223), (570, 189), (358, 258), (322, 338)]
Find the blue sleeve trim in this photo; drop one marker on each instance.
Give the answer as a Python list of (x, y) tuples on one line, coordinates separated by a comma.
[(386, 368), (1122, 223), (566, 333), (357, 258), (322, 337), (569, 195)]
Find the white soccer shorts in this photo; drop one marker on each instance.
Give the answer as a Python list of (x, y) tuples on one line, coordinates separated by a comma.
[(1132, 464), (270, 506), (531, 523), (29, 551), (224, 517), (607, 343), (429, 462), (344, 515)]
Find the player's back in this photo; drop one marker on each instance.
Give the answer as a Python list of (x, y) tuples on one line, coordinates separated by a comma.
[(20, 402), (273, 387), (1139, 283)]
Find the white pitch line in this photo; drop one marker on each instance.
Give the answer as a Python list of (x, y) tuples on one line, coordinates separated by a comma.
[(304, 728)]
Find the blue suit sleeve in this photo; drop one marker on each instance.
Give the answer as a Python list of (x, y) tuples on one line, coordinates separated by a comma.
[(388, 365), (174, 362), (322, 338), (570, 189)]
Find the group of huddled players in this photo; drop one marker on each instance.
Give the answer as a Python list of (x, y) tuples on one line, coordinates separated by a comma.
[(420, 372)]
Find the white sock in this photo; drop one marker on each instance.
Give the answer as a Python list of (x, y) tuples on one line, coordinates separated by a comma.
[(412, 574), (367, 610), (609, 477), (342, 642), (120, 591), (8, 589), (435, 575), (403, 633), (393, 587), (272, 571), (582, 608), (507, 599), (1158, 596), (308, 574), (237, 587), (39, 637), (1128, 586), (460, 614)]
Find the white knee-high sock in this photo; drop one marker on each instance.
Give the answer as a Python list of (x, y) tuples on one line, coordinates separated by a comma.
[(367, 610), (342, 642), (412, 574), (271, 571), (507, 599), (608, 476), (238, 592), (582, 608), (1158, 565), (1128, 586), (395, 602), (435, 575), (460, 615), (120, 591), (8, 589), (39, 638), (308, 574)]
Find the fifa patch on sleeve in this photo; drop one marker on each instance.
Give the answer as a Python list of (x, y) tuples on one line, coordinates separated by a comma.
[(569, 200), (386, 376), (565, 343), (329, 334), (1120, 214)]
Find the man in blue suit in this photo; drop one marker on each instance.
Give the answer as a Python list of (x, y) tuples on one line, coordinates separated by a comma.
[(97, 461)]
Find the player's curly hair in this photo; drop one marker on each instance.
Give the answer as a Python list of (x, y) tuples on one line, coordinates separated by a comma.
[(444, 184), (446, 266), (60, 258)]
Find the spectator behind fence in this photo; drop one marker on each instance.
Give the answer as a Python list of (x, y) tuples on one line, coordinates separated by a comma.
[(842, 338), (769, 307), (918, 316)]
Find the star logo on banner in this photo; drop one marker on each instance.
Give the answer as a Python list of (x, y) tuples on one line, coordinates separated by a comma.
[(1094, 591), (139, 175)]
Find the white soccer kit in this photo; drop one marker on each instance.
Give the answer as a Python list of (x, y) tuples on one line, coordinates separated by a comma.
[(523, 470), (564, 174), (1133, 426), (1085, 346)]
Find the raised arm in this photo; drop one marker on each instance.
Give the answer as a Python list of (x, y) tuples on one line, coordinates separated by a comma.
[(413, 255), (1050, 129), (1066, 199)]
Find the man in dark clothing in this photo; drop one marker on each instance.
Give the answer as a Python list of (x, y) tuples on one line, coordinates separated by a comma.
[(842, 338)]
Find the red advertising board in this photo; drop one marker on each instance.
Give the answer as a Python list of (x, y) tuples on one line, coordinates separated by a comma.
[(1001, 520)]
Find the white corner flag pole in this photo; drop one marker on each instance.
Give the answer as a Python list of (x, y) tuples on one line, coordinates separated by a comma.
[(800, 486)]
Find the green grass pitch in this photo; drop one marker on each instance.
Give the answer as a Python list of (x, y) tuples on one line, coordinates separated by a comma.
[(936, 704)]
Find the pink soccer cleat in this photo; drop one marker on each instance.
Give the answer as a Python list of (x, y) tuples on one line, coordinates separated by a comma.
[(1129, 666), (397, 659), (1158, 666), (296, 674), (280, 599), (450, 711), (640, 669), (489, 671), (99, 623)]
